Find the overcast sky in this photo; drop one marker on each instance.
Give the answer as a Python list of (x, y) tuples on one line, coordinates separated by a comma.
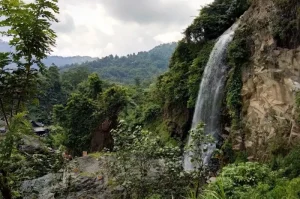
[(101, 27)]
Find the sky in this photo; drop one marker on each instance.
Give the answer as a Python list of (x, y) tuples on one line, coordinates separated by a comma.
[(102, 27)]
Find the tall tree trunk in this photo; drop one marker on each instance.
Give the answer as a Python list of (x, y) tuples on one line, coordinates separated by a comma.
[(4, 113), (18, 104), (23, 91), (12, 107), (197, 188), (199, 181), (4, 188)]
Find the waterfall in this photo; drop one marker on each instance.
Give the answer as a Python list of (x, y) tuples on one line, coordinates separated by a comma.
[(210, 96)]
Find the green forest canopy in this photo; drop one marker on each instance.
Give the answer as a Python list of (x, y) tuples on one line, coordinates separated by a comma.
[(128, 69)]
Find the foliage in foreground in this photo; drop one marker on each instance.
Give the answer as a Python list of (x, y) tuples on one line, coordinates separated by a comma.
[(29, 27), (145, 167), (197, 148), (18, 162), (255, 180)]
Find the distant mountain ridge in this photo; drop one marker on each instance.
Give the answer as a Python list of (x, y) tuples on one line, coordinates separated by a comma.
[(144, 65), (57, 60), (62, 61), (127, 69)]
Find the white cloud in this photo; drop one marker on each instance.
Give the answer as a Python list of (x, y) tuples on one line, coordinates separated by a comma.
[(102, 27), (168, 37)]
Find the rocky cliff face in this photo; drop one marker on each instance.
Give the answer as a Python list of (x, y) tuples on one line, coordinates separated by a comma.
[(270, 84)]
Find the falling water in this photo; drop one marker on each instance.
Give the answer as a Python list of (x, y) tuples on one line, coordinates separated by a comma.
[(211, 95)]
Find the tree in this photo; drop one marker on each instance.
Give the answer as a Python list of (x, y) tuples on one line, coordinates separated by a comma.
[(49, 93), (214, 19), (32, 38), (6, 89), (28, 26), (73, 77), (92, 87), (18, 127), (113, 100), (79, 118), (85, 112), (17, 163), (144, 166), (197, 148)]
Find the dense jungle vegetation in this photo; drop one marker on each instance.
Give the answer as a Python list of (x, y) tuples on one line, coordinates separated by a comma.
[(142, 126)]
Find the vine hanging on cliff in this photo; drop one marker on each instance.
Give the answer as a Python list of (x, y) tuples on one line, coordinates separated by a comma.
[(238, 55)]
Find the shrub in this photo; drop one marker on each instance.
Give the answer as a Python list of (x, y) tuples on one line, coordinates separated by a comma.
[(255, 181), (282, 188), (291, 163), (196, 71), (286, 22), (215, 19), (144, 166), (238, 179), (238, 55), (57, 137)]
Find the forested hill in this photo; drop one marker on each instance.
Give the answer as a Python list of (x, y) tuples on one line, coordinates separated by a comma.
[(133, 67), (57, 60)]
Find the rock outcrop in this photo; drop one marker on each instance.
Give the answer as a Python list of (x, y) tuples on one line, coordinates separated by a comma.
[(84, 177), (270, 84)]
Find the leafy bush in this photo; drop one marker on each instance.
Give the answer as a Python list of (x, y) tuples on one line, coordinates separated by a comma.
[(196, 70), (85, 110), (286, 22), (238, 56), (17, 164), (257, 181), (291, 163), (234, 98), (79, 120), (215, 19), (144, 166), (280, 189), (197, 148), (151, 112), (238, 179), (57, 137), (113, 100)]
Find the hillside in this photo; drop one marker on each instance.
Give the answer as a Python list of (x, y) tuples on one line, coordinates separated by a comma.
[(57, 60), (62, 61), (218, 116), (127, 69)]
